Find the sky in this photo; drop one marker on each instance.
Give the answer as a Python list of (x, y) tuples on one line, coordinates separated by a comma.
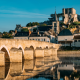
[(14, 12)]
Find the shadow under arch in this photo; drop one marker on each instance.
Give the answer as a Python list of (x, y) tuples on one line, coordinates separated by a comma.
[(31, 47), (22, 56), (47, 47), (7, 56), (7, 59)]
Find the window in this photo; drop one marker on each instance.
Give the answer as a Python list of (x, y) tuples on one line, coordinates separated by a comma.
[(41, 39), (66, 11), (38, 39), (54, 29), (55, 24), (78, 40), (75, 40)]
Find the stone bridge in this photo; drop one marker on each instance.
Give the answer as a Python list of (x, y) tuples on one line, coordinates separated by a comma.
[(15, 49)]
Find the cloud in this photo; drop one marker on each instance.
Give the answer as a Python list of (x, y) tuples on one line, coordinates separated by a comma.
[(22, 14)]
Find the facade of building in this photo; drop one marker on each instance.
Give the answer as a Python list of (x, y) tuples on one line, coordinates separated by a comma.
[(22, 35), (76, 42), (18, 28), (65, 38), (39, 36)]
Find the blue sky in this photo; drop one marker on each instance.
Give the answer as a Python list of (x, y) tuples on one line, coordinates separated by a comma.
[(14, 12)]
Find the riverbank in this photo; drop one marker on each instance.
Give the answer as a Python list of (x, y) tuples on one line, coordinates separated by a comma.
[(67, 53)]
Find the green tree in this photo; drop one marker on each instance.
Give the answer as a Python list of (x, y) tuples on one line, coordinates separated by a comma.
[(7, 35), (43, 24), (76, 23), (36, 23), (32, 24), (28, 25), (24, 30)]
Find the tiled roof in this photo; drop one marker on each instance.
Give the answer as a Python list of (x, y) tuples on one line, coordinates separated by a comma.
[(21, 34), (44, 28), (65, 32), (35, 34)]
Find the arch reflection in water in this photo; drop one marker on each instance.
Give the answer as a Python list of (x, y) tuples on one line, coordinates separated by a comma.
[(28, 65), (15, 69), (39, 62), (4, 71), (7, 58)]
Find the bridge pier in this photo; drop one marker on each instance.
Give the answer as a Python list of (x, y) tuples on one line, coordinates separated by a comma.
[(53, 52), (28, 53), (39, 53), (15, 55), (47, 52), (2, 58)]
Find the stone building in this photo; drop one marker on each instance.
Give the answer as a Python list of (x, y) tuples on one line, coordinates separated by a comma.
[(65, 38), (18, 27), (39, 36), (22, 35), (55, 24), (68, 16)]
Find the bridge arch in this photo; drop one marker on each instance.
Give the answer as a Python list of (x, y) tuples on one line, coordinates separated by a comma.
[(20, 47), (47, 46), (7, 55), (31, 47)]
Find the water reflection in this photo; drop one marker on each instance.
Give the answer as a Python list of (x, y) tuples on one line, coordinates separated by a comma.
[(15, 69), (28, 65), (46, 68)]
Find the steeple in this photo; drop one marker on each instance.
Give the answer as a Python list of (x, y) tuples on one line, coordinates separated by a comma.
[(55, 15)]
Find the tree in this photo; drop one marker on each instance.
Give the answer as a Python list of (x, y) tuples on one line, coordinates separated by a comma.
[(0, 32), (28, 25), (76, 23), (32, 24), (24, 30), (7, 35), (43, 24), (10, 31)]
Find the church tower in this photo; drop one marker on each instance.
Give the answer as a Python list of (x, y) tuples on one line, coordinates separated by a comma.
[(55, 24)]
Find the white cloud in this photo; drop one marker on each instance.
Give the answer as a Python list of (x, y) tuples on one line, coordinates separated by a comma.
[(10, 13)]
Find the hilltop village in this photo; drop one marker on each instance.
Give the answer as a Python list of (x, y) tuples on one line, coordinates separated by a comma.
[(62, 28)]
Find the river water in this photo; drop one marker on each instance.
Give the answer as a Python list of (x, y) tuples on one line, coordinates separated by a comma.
[(47, 68)]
